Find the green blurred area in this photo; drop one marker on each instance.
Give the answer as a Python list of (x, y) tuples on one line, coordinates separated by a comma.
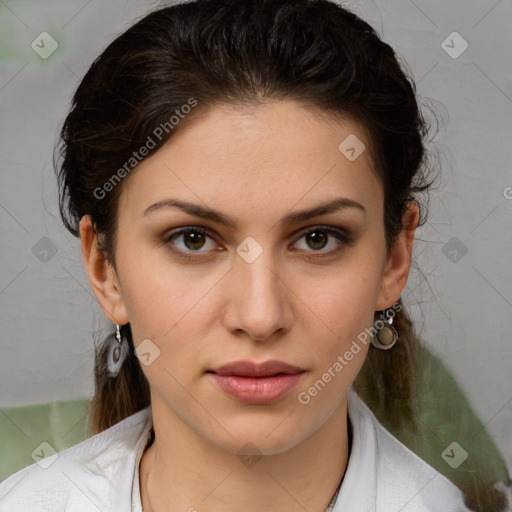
[(444, 416)]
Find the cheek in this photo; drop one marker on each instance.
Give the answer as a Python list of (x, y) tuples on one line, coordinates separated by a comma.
[(346, 294), (343, 307), (174, 308), (162, 303), (157, 293)]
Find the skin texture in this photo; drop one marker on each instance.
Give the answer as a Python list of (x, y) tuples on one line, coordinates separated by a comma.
[(298, 302)]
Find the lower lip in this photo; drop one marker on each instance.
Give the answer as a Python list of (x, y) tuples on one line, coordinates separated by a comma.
[(257, 390)]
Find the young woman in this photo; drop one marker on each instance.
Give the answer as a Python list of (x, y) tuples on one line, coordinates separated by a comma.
[(244, 178)]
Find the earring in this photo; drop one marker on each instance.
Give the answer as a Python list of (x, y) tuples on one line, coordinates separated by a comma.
[(385, 336), (117, 350)]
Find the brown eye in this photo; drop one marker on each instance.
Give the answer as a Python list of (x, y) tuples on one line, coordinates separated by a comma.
[(320, 237), (317, 239), (193, 239)]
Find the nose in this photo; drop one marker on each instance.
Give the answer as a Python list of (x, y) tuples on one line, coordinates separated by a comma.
[(257, 299)]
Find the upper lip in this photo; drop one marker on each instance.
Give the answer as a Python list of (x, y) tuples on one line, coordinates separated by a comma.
[(253, 369)]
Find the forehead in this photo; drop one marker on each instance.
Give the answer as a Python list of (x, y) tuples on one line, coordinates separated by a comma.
[(273, 155)]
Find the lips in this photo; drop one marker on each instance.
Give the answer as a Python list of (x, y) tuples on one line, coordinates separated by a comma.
[(253, 369), (254, 383)]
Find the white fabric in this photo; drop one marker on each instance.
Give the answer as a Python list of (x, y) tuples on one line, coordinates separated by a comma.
[(101, 473)]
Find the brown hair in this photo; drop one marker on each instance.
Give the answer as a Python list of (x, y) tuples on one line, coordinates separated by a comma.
[(242, 51)]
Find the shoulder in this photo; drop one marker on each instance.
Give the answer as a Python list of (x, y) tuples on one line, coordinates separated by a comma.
[(400, 480), (97, 473)]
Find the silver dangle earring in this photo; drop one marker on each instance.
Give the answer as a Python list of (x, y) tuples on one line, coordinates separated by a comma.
[(385, 336), (117, 350)]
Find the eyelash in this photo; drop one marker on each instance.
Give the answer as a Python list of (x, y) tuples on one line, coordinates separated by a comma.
[(341, 235)]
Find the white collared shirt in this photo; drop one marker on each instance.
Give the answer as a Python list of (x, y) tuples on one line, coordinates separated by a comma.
[(102, 473)]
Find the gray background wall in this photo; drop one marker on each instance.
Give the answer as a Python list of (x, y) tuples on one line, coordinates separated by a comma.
[(464, 306)]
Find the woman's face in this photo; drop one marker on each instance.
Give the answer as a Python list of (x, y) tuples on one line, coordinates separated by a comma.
[(260, 287)]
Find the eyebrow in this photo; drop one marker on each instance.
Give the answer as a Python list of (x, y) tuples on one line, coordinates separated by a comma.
[(205, 212)]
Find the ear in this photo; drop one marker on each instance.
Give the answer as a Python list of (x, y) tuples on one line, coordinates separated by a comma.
[(102, 276), (396, 271)]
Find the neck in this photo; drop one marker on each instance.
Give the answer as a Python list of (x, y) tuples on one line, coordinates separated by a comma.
[(183, 472)]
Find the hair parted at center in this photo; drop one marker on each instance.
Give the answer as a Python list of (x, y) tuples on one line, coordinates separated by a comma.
[(243, 52)]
